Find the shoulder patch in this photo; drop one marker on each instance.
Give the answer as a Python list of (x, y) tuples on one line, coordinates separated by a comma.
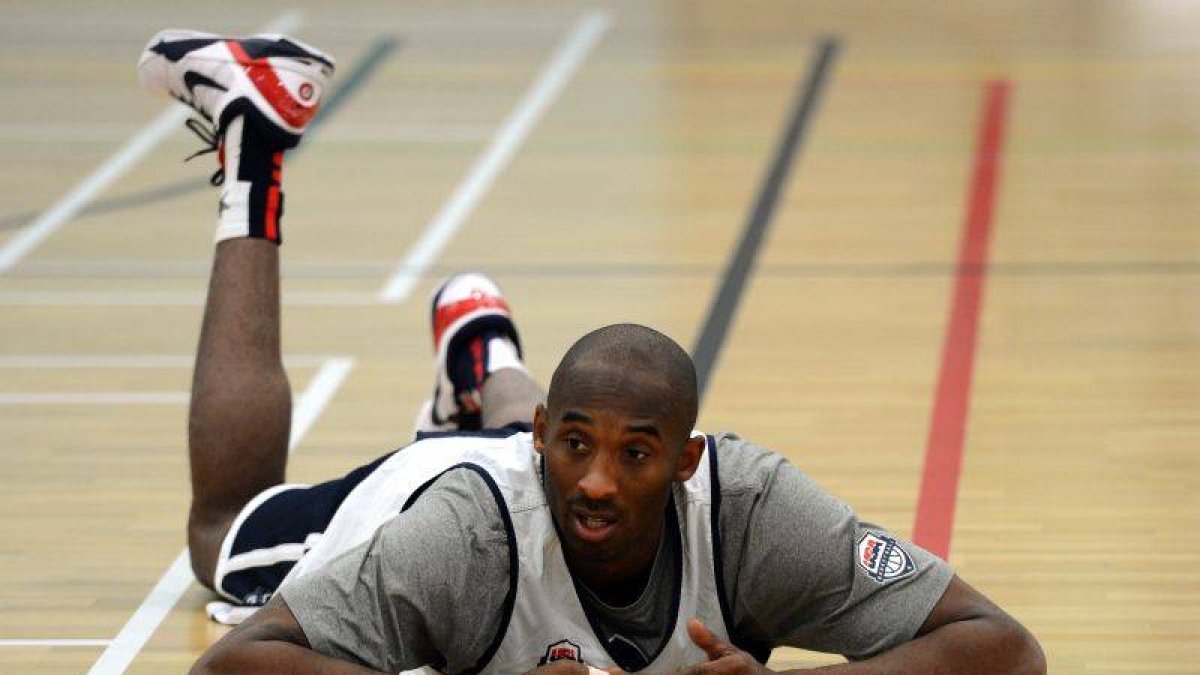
[(883, 559)]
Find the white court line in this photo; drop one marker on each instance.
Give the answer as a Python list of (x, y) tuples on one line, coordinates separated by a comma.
[(54, 642), (76, 131), (136, 298), (186, 268), (178, 577), (317, 395), (94, 398), (28, 238), (129, 361), (509, 137)]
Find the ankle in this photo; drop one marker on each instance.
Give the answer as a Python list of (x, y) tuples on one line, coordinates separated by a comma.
[(503, 355), (252, 196), (510, 396)]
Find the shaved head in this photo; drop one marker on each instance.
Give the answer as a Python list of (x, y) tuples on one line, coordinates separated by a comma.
[(634, 365)]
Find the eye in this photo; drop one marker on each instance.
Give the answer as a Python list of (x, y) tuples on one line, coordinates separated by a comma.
[(576, 443), (636, 453)]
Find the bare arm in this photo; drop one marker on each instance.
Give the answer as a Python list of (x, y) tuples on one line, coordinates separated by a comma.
[(270, 641), (965, 633)]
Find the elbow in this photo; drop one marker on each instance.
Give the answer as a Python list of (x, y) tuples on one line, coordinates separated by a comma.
[(1035, 661), (1003, 647), (215, 661), (205, 666), (1028, 657)]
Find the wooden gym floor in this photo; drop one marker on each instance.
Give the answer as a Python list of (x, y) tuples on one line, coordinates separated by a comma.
[(985, 258)]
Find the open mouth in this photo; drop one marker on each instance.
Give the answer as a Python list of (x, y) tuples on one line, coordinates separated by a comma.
[(593, 528)]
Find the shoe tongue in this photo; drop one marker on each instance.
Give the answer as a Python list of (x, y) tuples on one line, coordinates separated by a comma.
[(468, 362), (483, 353)]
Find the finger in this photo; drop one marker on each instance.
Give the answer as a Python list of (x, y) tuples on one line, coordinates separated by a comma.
[(715, 667), (730, 664), (714, 647)]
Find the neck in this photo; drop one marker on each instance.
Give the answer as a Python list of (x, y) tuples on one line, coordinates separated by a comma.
[(621, 583), (617, 587), (620, 593), (613, 579)]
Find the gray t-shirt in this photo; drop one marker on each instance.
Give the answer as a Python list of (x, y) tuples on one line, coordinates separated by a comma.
[(799, 570)]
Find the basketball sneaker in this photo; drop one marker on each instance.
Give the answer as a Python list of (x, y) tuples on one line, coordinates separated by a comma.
[(473, 336), (275, 81)]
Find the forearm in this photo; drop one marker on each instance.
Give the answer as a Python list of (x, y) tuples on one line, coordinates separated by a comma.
[(271, 641), (273, 656), (981, 646)]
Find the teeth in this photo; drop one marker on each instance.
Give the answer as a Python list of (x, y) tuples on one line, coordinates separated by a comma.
[(594, 523)]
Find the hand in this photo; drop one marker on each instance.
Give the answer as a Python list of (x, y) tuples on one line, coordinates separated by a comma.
[(570, 668), (723, 658)]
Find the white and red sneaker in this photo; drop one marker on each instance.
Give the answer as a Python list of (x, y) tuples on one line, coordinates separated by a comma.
[(473, 337), (274, 79)]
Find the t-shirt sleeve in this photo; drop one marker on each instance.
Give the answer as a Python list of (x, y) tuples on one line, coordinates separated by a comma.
[(804, 571), (427, 589)]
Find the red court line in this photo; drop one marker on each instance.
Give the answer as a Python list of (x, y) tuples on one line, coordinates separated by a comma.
[(948, 425)]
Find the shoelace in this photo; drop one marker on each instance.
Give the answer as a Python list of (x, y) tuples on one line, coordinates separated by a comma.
[(208, 135)]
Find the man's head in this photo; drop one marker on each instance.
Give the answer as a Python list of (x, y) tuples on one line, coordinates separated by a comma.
[(616, 433)]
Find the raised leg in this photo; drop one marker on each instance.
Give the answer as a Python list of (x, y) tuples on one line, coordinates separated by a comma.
[(241, 405)]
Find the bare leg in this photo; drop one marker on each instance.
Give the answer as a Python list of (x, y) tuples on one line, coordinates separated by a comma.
[(241, 404), (509, 395)]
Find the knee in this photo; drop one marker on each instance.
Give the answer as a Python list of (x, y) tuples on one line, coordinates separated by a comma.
[(205, 536)]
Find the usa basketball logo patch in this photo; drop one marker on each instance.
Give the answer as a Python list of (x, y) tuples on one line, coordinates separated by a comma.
[(563, 650), (883, 559)]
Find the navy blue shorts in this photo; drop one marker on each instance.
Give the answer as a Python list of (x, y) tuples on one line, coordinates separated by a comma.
[(282, 523)]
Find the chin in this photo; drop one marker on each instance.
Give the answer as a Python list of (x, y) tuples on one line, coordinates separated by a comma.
[(606, 555)]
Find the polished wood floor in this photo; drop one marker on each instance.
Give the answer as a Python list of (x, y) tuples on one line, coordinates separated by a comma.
[(1077, 509)]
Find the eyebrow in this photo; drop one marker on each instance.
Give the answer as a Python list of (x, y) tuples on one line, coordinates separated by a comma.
[(576, 416), (573, 416), (648, 429)]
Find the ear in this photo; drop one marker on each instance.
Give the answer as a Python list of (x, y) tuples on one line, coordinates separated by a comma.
[(689, 459), (539, 428)]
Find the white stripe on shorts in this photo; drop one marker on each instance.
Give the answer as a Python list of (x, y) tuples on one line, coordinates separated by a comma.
[(227, 545), (265, 557)]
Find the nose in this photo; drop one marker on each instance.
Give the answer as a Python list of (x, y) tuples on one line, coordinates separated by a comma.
[(599, 482)]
